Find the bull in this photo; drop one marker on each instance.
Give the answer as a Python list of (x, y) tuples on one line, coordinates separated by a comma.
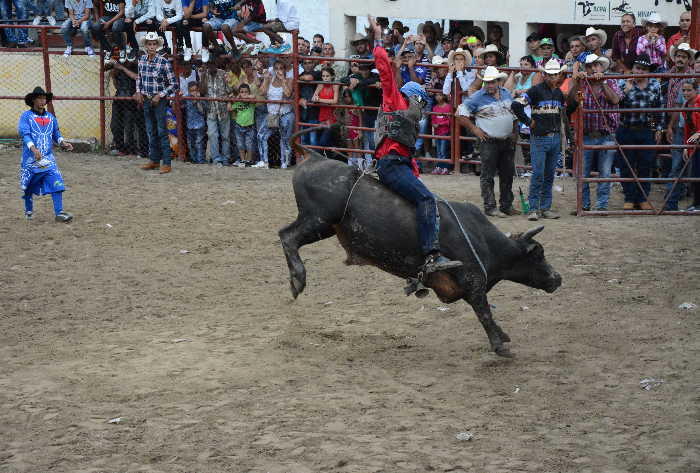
[(377, 227)]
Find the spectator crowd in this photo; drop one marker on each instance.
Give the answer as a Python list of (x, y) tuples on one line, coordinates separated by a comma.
[(496, 110)]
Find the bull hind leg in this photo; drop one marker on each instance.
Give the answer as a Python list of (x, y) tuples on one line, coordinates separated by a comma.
[(295, 235), (497, 337)]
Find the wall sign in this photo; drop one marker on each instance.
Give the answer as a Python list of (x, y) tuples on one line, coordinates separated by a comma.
[(610, 11)]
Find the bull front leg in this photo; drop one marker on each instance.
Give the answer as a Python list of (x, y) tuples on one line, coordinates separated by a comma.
[(497, 337), (302, 231)]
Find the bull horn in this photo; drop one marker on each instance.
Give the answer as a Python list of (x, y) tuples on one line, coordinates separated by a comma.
[(531, 233), (295, 142)]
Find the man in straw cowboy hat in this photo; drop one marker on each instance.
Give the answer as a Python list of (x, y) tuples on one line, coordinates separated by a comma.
[(639, 129), (39, 173), (397, 131), (490, 109), (156, 81), (599, 92), (548, 109)]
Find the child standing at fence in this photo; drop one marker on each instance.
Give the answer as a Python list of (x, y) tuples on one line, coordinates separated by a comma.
[(441, 127), (195, 112), (351, 117), (244, 116), (39, 173), (327, 94)]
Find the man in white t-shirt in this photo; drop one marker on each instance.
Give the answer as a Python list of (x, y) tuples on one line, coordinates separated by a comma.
[(287, 21)]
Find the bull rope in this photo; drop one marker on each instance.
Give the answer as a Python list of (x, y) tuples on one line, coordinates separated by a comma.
[(466, 237)]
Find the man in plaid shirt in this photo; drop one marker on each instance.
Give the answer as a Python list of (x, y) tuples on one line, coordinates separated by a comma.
[(641, 128), (155, 82), (598, 128)]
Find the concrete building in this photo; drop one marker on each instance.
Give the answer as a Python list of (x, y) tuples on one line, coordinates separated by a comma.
[(518, 18)]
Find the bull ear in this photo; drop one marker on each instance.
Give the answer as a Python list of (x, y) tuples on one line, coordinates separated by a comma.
[(528, 235)]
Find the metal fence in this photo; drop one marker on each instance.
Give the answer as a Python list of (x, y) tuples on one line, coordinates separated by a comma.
[(103, 115)]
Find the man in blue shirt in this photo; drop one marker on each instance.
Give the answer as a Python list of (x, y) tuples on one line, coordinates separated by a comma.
[(224, 19), (488, 116)]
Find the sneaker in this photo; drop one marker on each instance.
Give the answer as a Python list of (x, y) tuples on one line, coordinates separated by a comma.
[(89, 51), (63, 217), (533, 216), (188, 55), (122, 56), (36, 21), (29, 215), (495, 213), (51, 20), (284, 166), (526, 174), (511, 211), (550, 214), (436, 171), (130, 54), (437, 262), (205, 55), (107, 55), (261, 164), (68, 51), (693, 208), (219, 164)]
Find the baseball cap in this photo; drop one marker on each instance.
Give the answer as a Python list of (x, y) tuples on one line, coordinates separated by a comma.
[(546, 42)]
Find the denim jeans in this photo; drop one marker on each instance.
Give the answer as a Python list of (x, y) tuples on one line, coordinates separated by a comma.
[(42, 7), (195, 144), (396, 173), (219, 128), (369, 120), (263, 134), (605, 161), (640, 160), (423, 125), (118, 27), (285, 129), (60, 8), (544, 153), (310, 138), (497, 157), (15, 35), (156, 128), (443, 149), (676, 168), (68, 31)]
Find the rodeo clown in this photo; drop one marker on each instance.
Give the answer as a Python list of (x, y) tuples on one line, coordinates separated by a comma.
[(39, 173), (396, 134)]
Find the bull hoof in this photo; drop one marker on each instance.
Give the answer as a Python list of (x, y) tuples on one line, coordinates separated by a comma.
[(504, 352), (296, 286)]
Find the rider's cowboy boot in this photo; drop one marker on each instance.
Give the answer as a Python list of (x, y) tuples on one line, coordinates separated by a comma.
[(436, 262)]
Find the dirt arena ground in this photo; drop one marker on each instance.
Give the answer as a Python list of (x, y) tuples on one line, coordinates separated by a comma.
[(212, 367)]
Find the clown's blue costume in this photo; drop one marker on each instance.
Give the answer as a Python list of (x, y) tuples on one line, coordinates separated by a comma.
[(42, 176)]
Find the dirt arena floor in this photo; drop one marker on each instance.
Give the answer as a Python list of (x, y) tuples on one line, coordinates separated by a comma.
[(166, 304)]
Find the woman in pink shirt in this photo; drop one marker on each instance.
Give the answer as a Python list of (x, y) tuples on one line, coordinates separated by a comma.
[(441, 127)]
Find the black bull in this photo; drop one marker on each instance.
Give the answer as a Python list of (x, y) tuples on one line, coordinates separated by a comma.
[(377, 227)]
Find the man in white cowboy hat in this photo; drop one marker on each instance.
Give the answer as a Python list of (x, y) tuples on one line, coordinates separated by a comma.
[(156, 81), (682, 56), (595, 42), (653, 42), (548, 108), (492, 56), (488, 116), (603, 93), (361, 45)]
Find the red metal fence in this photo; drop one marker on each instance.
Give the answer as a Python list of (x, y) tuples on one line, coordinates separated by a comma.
[(455, 137)]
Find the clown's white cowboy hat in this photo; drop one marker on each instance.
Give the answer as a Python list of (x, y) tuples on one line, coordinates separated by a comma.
[(456, 52), (491, 48), (591, 58), (599, 33), (655, 19), (151, 36), (491, 74), (685, 47), (553, 67)]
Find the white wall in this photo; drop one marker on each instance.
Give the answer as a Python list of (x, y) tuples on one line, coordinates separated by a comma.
[(517, 13)]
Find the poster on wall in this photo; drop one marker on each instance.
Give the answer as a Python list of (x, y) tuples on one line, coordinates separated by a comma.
[(610, 11)]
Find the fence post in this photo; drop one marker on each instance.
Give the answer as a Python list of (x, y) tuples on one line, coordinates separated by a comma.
[(47, 65), (578, 154), (180, 123), (456, 129), (103, 137), (295, 71)]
